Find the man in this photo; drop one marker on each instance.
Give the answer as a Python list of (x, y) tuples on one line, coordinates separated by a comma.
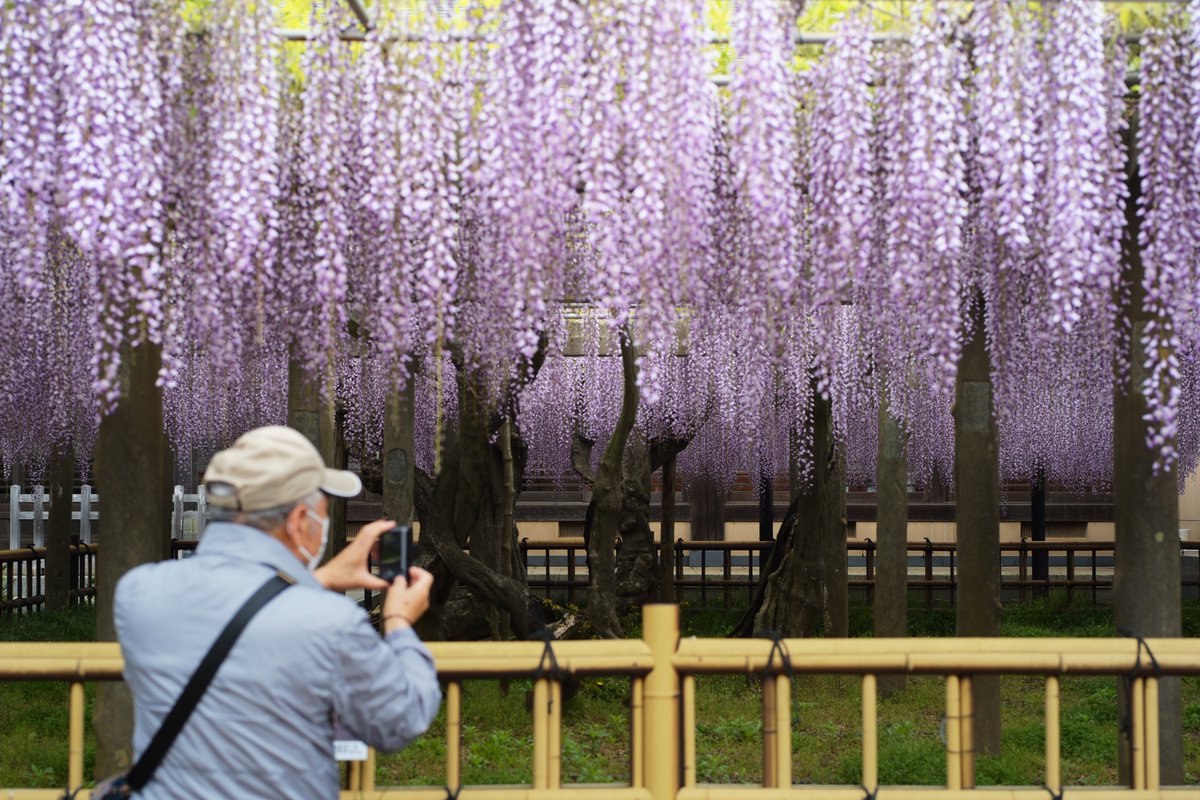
[(309, 658)]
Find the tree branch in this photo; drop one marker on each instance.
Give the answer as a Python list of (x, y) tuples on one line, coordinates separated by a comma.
[(581, 458)]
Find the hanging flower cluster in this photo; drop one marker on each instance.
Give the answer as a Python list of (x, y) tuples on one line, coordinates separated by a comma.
[(647, 112), (117, 69), (924, 203), (1169, 161), (1052, 368), (1079, 256), (520, 188), (315, 264), (243, 180), (28, 146), (82, 89), (840, 163), (410, 126)]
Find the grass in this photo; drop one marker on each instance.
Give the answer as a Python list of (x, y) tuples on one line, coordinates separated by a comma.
[(33, 714), (497, 729)]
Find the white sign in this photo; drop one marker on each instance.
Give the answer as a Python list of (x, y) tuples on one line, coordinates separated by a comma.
[(349, 750)]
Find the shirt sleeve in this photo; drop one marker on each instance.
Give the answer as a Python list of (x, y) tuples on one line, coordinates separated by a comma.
[(387, 693)]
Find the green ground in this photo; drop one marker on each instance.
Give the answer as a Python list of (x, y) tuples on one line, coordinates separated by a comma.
[(497, 739)]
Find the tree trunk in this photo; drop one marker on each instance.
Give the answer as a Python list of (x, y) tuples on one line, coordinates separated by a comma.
[(977, 488), (58, 531), (666, 557), (602, 588), (638, 566), (636, 562), (338, 506), (831, 523), (398, 425), (129, 453), (315, 416), (791, 597), (766, 508), (890, 608), (508, 528), (1146, 573), (463, 506), (706, 498), (787, 600), (442, 553)]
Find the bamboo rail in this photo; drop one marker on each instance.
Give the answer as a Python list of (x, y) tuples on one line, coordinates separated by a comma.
[(663, 668)]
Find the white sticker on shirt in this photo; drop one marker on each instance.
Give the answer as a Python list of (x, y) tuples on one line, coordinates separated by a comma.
[(349, 750)]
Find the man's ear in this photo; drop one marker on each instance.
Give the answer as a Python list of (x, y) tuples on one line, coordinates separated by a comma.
[(293, 526)]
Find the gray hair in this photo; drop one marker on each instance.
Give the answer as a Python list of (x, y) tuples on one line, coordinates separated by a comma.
[(266, 519)]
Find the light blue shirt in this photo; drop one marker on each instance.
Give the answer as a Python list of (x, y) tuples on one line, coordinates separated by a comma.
[(264, 728)]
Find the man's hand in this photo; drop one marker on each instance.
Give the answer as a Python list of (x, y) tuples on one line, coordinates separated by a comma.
[(407, 599), (348, 569)]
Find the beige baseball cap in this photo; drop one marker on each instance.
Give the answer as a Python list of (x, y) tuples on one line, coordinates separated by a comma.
[(271, 467)]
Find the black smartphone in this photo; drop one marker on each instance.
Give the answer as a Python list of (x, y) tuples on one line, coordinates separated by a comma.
[(395, 552)]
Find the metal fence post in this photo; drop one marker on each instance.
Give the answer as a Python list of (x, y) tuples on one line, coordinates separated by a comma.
[(870, 559), (679, 545), (1022, 571), (1070, 577), (85, 514), (928, 552), (726, 572), (953, 580), (14, 517), (660, 626)]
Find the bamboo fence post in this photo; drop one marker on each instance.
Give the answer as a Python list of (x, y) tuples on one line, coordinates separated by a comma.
[(661, 634)]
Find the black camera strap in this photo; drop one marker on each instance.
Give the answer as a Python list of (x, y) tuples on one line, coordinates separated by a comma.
[(153, 755)]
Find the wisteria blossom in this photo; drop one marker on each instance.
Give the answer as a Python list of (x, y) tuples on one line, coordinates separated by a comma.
[(112, 163), (484, 207), (923, 201), (410, 125), (1169, 161)]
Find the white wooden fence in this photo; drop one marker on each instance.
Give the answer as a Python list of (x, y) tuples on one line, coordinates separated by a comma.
[(38, 503), (189, 513)]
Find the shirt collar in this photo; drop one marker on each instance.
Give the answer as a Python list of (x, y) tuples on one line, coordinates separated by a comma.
[(243, 543)]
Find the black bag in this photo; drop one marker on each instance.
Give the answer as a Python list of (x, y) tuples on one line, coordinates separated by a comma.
[(123, 786)]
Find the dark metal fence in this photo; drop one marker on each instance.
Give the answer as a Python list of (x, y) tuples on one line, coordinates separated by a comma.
[(706, 572), (722, 571), (23, 577)]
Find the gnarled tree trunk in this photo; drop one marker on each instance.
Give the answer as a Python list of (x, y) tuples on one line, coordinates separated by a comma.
[(642, 568), (1146, 574), (134, 530), (464, 505), (889, 610), (398, 465), (803, 584), (607, 496), (58, 531), (636, 562), (787, 599), (316, 416), (831, 520), (977, 515)]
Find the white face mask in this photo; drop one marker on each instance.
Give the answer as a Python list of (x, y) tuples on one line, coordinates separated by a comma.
[(314, 559)]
